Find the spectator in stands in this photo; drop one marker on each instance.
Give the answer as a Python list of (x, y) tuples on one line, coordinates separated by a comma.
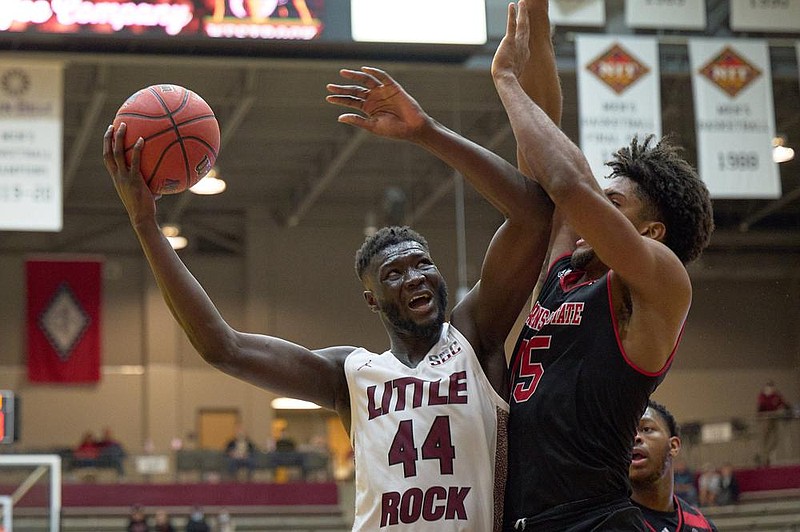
[(163, 523), (138, 520), (284, 443), (685, 485), (771, 408), (240, 452), (197, 521), (728, 486), (655, 447), (708, 484), (225, 522), (111, 451), (87, 448)]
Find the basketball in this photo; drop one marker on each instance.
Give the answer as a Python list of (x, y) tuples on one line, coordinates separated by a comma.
[(181, 136)]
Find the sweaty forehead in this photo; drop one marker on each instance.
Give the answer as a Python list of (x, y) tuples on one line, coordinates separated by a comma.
[(653, 416), (398, 251)]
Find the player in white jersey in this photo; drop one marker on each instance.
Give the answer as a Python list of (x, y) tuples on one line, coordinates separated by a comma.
[(427, 457), (429, 435)]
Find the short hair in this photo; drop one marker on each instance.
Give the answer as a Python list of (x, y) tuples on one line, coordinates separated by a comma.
[(383, 238), (672, 425), (672, 188)]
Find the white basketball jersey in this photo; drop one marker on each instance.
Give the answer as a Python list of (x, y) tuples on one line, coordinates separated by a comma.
[(426, 440)]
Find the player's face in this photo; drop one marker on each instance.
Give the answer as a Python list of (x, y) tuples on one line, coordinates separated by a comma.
[(622, 193), (653, 450), (409, 290)]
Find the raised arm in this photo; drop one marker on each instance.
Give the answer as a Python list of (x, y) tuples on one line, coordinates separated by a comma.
[(271, 363), (515, 255), (654, 276)]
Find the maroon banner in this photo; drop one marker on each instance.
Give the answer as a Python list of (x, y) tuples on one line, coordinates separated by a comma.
[(63, 325)]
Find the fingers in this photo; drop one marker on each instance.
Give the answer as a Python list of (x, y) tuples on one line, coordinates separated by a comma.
[(119, 145), (382, 77), (346, 101), (363, 77), (136, 155), (108, 158), (511, 22), (355, 91)]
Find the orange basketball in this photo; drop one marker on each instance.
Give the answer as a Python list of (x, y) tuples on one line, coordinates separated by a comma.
[(181, 136)]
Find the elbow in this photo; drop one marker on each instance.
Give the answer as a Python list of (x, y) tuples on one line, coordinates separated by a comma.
[(217, 347)]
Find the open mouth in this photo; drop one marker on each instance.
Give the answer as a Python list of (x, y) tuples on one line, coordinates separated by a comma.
[(638, 457), (420, 302)]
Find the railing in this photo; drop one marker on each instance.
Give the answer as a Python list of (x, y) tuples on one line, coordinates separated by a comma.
[(740, 441)]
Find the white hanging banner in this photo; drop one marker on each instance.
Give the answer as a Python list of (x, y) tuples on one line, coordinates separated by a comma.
[(681, 14), (30, 145), (765, 15), (734, 117), (618, 95), (578, 12)]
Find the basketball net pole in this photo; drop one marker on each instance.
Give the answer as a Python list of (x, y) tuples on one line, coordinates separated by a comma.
[(41, 460)]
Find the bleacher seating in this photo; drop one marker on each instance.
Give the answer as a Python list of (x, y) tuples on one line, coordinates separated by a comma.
[(779, 515), (207, 461)]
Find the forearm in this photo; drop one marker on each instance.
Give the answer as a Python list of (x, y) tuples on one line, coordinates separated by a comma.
[(187, 301), (492, 176), (539, 78), (557, 163)]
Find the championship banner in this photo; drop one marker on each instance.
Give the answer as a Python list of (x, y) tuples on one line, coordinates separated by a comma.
[(30, 145), (734, 117), (618, 95), (683, 15), (63, 320), (765, 15), (578, 12)]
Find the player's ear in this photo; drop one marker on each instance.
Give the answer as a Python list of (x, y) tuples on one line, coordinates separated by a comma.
[(371, 300), (674, 446), (654, 230)]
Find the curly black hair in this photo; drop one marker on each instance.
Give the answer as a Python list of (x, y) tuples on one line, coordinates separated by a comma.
[(672, 425), (383, 238), (676, 194)]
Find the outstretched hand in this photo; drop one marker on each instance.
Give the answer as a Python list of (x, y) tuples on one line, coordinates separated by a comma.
[(512, 54), (137, 198), (389, 110)]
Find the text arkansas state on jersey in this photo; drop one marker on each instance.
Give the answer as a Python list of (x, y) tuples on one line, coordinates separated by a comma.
[(575, 403), (428, 439)]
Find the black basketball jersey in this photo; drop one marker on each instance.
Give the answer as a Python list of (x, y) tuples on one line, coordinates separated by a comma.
[(575, 400), (685, 518)]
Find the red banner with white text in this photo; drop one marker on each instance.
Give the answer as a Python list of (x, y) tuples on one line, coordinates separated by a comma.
[(63, 320)]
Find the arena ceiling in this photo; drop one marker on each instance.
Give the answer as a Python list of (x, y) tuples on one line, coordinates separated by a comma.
[(283, 152)]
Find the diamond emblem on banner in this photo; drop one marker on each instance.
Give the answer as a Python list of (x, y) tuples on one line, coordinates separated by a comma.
[(63, 321), (730, 72), (617, 68)]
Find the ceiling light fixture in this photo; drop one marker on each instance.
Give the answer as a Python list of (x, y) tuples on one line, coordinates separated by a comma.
[(173, 234), (211, 184), (780, 152)]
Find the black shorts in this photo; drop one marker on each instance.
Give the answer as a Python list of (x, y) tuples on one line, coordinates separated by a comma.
[(584, 516)]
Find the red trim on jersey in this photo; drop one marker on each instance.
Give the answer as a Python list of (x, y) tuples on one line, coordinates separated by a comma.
[(615, 324), (553, 262)]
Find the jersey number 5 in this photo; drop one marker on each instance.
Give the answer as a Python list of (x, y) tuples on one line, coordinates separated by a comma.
[(528, 369), (437, 446)]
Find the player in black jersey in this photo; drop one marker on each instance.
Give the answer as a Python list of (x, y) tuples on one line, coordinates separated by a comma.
[(656, 445), (611, 309)]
